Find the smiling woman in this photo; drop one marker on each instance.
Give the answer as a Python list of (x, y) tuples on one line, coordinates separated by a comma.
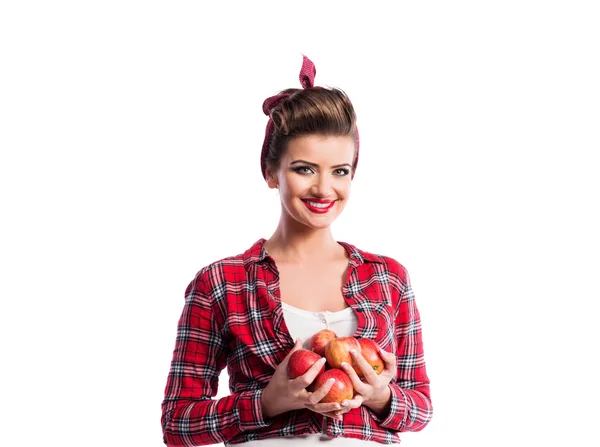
[(245, 311)]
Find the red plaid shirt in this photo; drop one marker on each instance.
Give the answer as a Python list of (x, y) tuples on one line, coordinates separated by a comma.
[(233, 317)]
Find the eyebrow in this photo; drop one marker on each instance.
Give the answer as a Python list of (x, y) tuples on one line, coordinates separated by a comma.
[(316, 165)]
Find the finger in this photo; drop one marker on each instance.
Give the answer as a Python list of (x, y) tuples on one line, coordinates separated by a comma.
[(303, 381), (367, 370), (356, 382), (355, 402), (341, 412), (335, 415), (326, 408), (315, 369), (314, 400), (338, 416), (389, 359), (331, 414), (317, 395)]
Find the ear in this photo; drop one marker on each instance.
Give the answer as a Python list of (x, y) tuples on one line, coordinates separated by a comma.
[(271, 178)]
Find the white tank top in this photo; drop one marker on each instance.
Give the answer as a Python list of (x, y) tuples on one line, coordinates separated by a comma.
[(303, 324)]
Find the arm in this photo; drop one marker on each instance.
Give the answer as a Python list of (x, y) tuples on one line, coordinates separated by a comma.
[(189, 416), (409, 406)]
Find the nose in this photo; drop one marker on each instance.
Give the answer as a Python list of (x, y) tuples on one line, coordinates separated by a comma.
[(322, 186)]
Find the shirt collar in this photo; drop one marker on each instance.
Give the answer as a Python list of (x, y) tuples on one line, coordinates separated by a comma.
[(257, 254)]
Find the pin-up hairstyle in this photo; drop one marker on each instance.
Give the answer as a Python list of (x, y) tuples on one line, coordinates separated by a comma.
[(304, 111)]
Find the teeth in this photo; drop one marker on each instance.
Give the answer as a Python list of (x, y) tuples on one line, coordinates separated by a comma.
[(319, 205)]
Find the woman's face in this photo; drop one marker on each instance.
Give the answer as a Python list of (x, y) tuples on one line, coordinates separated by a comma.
[(314, 178)]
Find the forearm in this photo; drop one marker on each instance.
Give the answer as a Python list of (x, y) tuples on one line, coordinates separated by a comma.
[(408, 409), (207, 422), (410, 406)]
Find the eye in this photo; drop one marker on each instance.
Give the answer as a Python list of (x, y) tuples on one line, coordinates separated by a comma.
[(304, 170), (300, 169), (343, 172)]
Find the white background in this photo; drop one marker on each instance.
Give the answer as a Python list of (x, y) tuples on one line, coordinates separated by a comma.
[(130, 135)]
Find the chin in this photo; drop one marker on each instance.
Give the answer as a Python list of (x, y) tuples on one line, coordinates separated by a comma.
[(320, 223), (319, 227)]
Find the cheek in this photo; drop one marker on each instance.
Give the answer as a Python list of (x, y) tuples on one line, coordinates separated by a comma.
[(344, 189), (296, 185), (288, 191)]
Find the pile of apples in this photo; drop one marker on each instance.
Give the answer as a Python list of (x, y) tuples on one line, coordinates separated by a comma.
[(336, 350)]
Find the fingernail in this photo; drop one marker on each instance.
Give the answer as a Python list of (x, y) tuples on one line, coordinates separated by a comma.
[(345, 365), (331, 381), (322, 360), (353, 352), (344, 404)]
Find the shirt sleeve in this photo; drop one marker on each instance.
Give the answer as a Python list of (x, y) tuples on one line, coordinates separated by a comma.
[(190, 417), (410, 407)]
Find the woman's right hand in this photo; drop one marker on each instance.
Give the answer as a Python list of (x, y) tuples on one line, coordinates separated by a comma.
[(284, 394)]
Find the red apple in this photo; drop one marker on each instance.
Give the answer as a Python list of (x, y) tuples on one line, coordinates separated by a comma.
[(318, 341), (370, 351), (340, 390), (300, 361), (338, 351)]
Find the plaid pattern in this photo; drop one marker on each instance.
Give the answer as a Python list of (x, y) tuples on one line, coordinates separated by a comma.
[(233, 318)]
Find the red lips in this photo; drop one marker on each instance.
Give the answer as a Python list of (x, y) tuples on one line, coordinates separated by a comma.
[(316, 210)]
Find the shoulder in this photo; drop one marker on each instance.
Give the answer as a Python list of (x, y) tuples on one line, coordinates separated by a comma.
[(217, 276), (388, 263), (396, 268), (391, 269)]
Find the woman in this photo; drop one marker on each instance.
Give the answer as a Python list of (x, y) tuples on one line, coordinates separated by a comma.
[(245, 311)]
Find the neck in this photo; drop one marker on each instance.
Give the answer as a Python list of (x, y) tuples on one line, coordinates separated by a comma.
[(300, 244)]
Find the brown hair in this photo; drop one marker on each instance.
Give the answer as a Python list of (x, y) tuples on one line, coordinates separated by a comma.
[(314, 110)]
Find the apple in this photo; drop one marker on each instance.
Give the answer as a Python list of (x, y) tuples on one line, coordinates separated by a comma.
[(318, 341), (338, 351), (370, 351), (300, 361), (341, 389)]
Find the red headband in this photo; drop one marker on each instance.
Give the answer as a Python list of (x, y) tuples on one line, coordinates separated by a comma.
[(307, 79)]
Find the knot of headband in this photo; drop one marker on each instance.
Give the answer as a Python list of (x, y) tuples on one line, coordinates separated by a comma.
[(307, 79)]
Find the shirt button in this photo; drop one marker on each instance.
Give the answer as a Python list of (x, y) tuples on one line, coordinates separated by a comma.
[(324, 321)]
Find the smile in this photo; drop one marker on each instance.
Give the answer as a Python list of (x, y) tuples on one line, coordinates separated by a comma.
[(319, 208)]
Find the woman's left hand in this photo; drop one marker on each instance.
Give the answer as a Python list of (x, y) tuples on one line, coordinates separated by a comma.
[(374, 387)]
